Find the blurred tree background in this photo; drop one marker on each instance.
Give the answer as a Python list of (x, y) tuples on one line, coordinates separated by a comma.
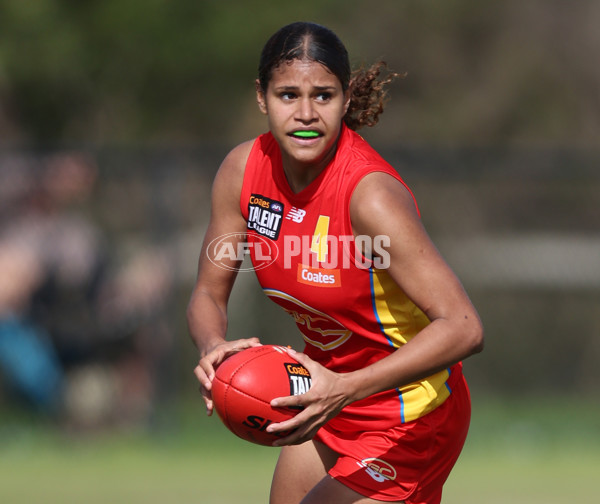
[(499, 72), (496, 127)]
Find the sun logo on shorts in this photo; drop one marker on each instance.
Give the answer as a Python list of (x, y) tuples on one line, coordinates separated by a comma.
[(378, 469)]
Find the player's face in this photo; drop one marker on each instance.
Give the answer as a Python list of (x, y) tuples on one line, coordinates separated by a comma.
[(305, 105)]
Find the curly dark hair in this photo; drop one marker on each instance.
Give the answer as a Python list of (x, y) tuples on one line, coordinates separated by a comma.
[(304, 40), (368, 95)]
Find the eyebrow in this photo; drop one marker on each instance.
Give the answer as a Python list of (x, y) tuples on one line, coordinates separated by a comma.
[(294, 88)]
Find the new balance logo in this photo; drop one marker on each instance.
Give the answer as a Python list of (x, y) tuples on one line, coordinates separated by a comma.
[(296, 214)]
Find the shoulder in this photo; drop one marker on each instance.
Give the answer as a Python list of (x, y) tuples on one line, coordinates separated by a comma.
[(231, 172), (235, 161), (378, 197), (227, 185)]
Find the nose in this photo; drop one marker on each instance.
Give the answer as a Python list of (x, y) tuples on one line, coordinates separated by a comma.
[(306, 110)]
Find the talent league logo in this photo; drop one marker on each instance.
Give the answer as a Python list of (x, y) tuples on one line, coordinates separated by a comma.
[(265, 216)]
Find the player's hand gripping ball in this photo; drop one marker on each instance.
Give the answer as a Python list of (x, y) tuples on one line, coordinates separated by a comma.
[(244, 385)]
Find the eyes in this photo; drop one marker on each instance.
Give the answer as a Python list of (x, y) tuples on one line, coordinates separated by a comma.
[(321, 96)]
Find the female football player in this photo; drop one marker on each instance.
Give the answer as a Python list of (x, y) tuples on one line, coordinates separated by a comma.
[(385, 320)]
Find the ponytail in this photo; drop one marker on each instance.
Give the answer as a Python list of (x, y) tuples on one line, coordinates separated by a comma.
[(368, 95)]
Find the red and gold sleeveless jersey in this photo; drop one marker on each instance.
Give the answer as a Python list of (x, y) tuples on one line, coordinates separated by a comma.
[(349, 310)]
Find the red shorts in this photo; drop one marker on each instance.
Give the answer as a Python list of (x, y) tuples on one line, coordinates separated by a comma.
[(409, 462)]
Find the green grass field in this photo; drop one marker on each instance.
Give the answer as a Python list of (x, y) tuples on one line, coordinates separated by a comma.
[(515, 453)]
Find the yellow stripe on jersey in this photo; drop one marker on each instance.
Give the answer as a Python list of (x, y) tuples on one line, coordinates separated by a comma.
[(400, 320)]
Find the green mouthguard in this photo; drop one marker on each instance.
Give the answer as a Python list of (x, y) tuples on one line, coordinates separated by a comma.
[(306, 134)]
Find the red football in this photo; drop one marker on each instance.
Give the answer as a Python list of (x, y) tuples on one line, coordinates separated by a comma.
[(244, 385)]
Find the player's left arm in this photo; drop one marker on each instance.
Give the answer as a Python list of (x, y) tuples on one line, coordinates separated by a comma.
[(382, 205)]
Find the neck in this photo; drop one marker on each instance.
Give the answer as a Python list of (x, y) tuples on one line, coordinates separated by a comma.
[(299, 177)]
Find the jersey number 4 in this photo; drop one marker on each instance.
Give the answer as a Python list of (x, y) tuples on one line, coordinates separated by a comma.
[(319, 239)]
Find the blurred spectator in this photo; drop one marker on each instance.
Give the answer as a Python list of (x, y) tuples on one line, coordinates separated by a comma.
[(73, 324), (27, 355)]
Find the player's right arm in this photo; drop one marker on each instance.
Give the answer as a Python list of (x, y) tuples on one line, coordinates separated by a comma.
[(207, 308)]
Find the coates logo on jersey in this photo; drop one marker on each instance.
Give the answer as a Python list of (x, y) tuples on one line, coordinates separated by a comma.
[(378, 469), (228, 251), (265, 216), (319, 277)]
